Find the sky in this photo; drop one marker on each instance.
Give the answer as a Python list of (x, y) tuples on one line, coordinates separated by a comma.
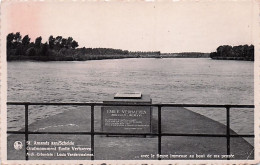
[(166, 26)]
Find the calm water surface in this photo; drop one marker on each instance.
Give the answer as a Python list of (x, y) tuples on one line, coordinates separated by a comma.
[(176, 80)]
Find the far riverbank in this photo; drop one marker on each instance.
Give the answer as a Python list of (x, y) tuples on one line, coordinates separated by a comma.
[(66, 49), (85, 57)]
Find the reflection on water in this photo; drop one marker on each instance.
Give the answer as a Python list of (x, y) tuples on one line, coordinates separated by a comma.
[(195, 81)]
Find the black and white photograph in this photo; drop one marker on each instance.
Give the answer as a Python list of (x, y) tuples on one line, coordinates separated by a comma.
[(142, 81)]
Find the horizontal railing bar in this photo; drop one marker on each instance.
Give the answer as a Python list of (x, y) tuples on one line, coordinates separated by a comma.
[(83, 133), (138, 134), (205, 135), (243, 135), (78, 133), (205, 105), (131, 104), (15, 132)]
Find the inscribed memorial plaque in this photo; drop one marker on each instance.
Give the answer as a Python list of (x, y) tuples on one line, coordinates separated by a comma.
[(127, 119)]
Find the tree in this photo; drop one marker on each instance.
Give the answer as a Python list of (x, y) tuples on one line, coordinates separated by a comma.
[(69, 41), (9, 40), (224, 50), (18, 47), (74, 44), (51, 42), (26, 40), (250, 52), (57, 42), (63, 42), (17, 37), (213, 54), (240, 52), (31, 51), (19, 50), (38, 42), (44, 49), (58, 39)]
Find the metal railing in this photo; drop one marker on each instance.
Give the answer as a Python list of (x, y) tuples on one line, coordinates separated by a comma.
[(159, 133)]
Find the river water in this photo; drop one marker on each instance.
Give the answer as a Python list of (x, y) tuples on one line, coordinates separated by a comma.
[(176, 80)]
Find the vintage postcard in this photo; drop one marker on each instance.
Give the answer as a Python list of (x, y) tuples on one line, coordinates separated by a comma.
[(130, 82)]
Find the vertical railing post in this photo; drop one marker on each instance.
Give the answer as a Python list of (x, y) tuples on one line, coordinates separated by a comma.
[(159, 131), (26, 131), (228, 130), (92, 132)]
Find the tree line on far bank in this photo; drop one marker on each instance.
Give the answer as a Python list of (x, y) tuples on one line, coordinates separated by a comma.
[(227, 52), (66, 49), (60, 49), (19, 46)]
